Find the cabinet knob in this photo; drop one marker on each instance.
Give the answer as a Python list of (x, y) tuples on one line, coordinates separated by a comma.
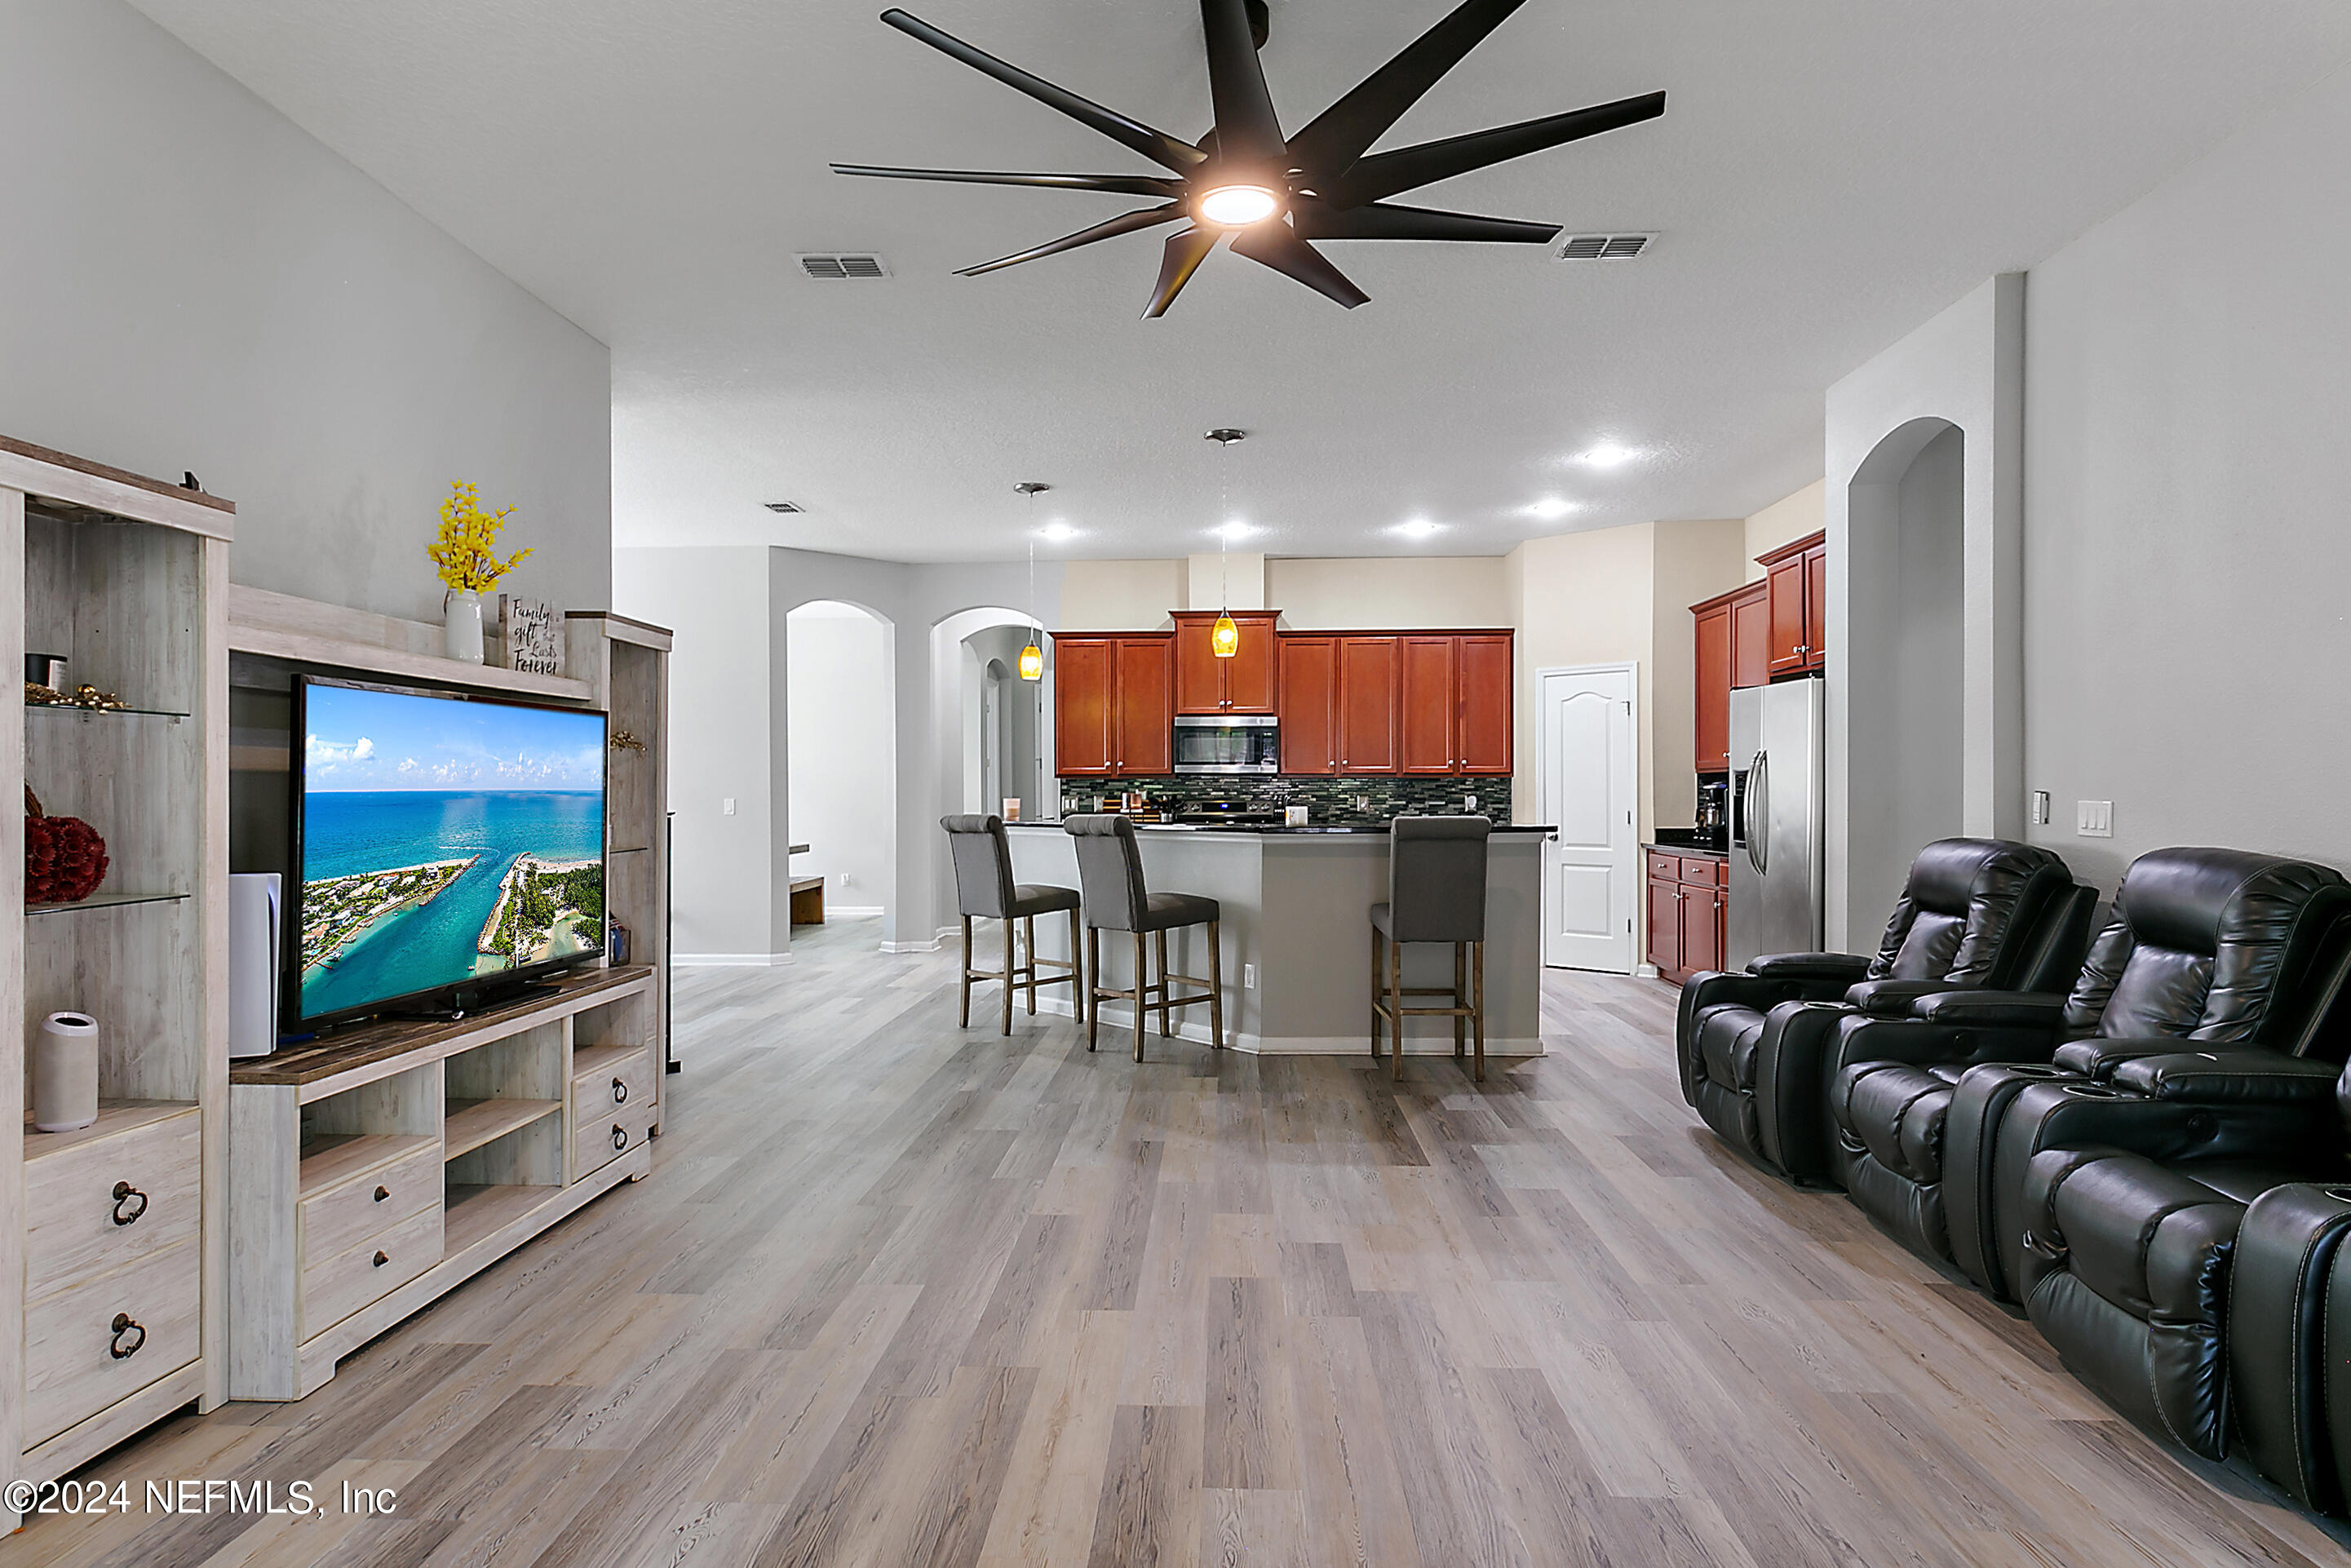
[(130, 1203), (129, 1335), (381, 1193), (382, 1258), (620, 1136), (619, 1093)]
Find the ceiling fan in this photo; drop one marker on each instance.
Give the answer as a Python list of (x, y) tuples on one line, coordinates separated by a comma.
[(1274, 194)]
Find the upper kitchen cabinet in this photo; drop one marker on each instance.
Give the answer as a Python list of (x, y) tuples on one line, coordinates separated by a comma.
[(1308, 687), (1425, 703), (1369, 741), (1487, 705), (1246, 683), (1112, 704), (1796, 580), (1730, 634), (1751, 635)]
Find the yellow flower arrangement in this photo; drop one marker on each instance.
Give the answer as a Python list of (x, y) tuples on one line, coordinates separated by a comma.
[(462, 550)]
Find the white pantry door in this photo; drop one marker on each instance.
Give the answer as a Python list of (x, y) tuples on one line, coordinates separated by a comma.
[(1587, 778)]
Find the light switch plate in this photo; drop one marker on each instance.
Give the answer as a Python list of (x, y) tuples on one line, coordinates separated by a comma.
[(2041, 807), (2093, 819), (727, 805), (1248, 976)]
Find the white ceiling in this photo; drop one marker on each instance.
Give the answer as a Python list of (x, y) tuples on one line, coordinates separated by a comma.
[(1829, 173)]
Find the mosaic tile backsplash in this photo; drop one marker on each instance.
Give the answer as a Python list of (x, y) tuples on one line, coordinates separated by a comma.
[(1331, 802)]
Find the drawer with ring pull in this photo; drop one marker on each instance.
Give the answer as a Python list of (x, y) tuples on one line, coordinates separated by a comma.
[(604, 1134), (102, 1199), (105, 1339), (609, 1078)]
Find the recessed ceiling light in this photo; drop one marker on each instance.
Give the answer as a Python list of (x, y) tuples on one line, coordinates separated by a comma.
[(1551, 508), (1417, 529), (1607, 455), (1235, 529), (1057, 530)]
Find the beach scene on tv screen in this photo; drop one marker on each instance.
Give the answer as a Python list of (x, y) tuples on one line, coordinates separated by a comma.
[(443, 840)]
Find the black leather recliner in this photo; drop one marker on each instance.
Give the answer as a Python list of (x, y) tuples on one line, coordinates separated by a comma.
[(1753, 1046), (2289, 1339), (2207, 946), (2132, 1214)]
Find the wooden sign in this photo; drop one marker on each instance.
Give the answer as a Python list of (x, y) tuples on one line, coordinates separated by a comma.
[(533, 633)]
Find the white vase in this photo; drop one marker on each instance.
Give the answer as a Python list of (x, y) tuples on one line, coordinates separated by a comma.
[(461, 627), (65, 1073)]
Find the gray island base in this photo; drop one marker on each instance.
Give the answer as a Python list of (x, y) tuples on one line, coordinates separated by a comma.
[(1297, 936)]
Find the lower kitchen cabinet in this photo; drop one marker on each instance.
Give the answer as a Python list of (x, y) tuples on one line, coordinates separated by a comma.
[(1689, 906)]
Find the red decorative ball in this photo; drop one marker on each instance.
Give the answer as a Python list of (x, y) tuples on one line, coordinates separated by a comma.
[(65, 860)]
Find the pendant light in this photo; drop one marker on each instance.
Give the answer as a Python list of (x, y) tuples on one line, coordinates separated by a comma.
[(1224, 636), (1032, 657)]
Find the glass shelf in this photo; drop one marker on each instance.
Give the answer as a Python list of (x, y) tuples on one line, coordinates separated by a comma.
[(107, 711), (105, 898)]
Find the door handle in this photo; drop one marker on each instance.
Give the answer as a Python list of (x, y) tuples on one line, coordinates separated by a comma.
[(1759, 823)]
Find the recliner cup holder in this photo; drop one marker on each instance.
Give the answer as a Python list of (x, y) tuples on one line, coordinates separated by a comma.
[(2036, 1070), (2339, 1194), (2098, 1091)]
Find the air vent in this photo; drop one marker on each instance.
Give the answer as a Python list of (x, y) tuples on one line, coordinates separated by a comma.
[(785, 506), (839, 266), (1603, 247)]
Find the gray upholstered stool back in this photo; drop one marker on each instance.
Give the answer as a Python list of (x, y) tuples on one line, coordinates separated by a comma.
[(1436, 878), (1109, 871), (983, 864)]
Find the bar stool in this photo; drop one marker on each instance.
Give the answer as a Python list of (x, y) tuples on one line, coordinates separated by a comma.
[(1110, 868), (985, 890), (1436, 893)]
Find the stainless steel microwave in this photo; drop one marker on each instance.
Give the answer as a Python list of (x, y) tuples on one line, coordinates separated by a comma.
[(1227, 743)]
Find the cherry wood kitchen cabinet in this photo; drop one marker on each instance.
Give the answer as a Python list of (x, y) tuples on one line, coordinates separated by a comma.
[(1246, 683), (1751, 635), (1369, 741), (1796, 580), (1486, 708), (1428, 691), (1688, 911), (1113, 698), (1308, 686), (1710, 631)]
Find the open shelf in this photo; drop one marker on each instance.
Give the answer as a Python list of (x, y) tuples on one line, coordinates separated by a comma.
[(472, 1123), (105, 899), (107, 711), (338, 1157), (113, 1116), (475, 1212)]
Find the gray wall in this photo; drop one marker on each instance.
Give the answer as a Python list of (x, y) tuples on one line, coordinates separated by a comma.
[(1927, 644), (2187, 544), (190, 281)]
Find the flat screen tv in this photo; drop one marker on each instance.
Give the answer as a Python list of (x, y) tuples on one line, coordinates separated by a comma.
[(446, 848)]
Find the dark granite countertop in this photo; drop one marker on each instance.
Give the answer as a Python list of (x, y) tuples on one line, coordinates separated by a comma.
[(1275, 830), (1685, 841)]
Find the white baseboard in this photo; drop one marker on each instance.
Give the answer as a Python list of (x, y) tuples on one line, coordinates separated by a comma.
[(1119, 1017), (852, 911), (930, 947), (729, 960), (1644, 971)]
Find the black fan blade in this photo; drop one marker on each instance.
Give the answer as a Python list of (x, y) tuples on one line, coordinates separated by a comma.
[(1182, 258), (1382, 220), (1246, 126), (1344, 132), (1122, 185), (1386, 174), (1275, 245), (1124, 223), (1156, 145)]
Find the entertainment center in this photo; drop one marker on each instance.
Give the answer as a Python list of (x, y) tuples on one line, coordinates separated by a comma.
[(359, 1175)]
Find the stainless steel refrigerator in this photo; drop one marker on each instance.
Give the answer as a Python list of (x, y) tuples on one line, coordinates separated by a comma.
[(1776, 785)]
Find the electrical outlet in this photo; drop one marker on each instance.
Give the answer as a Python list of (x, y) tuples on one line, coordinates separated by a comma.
[(2041, 807), (1248, 976), (1468, 802), (2093, 819), (846, 879), (726, 806), (1362, 803)]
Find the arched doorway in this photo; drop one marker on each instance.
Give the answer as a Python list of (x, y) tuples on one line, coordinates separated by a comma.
[(841, 751), (1907, 659)]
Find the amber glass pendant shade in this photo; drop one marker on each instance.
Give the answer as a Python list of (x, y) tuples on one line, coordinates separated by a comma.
[(1224, 638), (1032, 661)]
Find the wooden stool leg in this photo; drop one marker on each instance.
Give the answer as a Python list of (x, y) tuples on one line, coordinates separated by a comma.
[(1094, 989), (963, 1013), (1396, 1007), (1077, 971), (1142, 968), (1379, 978), (1215, 989), (1028, 933), (1461, 996), (1477, 973), (1011, 972), (1165, 1013)]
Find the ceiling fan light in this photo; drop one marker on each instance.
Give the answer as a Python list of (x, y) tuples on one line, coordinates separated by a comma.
[(1237, 207), (1225, 637)]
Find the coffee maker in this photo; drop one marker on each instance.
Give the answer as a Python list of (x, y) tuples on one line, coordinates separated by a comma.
[(1713, 812)]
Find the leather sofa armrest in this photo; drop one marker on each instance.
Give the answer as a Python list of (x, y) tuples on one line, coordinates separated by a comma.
[(2286, 1248), (2229, 1078), (1845, 968), (1994, 1009), (1892, 998), (2096, 1058)]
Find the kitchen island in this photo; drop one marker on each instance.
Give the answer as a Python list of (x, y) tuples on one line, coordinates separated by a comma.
[(1297, 934)]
